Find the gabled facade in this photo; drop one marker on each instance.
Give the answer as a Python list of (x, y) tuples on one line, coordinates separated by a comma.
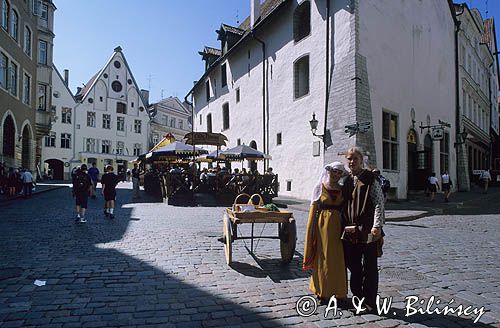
[(478, 89), (111, 120), (345, 61), (57, 146), (169, 115)]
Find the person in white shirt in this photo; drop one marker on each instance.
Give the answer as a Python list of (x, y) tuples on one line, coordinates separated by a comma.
[(486, 178), (434, 185), (446, 184), (27, 178)]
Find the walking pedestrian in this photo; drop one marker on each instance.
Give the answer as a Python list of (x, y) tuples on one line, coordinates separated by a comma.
[(136, 174), (433, 185), (364, 218), (94, 177), (27, 178), (446, 185), (485, 177), (81, 190), (323, 249), (109, 181)]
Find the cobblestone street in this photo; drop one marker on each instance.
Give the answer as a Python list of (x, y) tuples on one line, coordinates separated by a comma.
[(159, 265)]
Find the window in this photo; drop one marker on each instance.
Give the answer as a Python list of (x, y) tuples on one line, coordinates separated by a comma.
[(14, 25), (137, 126), (164, 120), (117, 64), (42, 52), (237, 95), (5, 14), (50, 140), (302, 21), (105, 146), (121, 108), (27, 89), (101, 99), (172, 122), (207, 89), (91, 119), (200, 119), (301, 77), (44, 12), (3, 70), (390, 141), (181, 124), (116, 86), (66, 115), (288, 185), (42, 97), (132, 104), (278, 139), (209, 123), (137, 149), (65, 140), (120, 123), (225, 116), (13, 78), (119, 147), (106, 121), (90, 145), (223, 75), (445, 152), (27, 41), (238, 142)]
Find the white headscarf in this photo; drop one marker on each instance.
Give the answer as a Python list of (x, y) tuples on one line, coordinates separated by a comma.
[(324, 179)]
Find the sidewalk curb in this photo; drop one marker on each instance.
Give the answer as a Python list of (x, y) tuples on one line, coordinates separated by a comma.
[(34, 193)]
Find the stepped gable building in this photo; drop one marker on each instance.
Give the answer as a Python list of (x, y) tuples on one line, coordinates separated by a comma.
[(24, 112), (169, 115), (386, 63)]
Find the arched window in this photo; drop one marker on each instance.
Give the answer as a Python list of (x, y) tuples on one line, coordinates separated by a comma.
[(9, 134), (5, 14), (27, 41), (302, 21), (14, 25), (301, 77)]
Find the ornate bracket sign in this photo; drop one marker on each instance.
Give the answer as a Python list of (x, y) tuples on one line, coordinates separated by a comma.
[(357, 127)]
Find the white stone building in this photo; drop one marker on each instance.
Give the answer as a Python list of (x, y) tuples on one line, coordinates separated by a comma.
[(110, 123), (388, 62), (478, 90), (57, 147), (169, 115)]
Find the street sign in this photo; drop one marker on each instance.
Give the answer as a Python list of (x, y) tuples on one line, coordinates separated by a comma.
[(437, 133)]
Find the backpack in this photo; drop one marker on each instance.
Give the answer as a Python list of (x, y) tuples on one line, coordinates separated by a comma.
[(81, 182), (386, 184)]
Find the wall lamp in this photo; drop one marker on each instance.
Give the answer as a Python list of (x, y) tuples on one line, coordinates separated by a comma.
[(461, 138), (314, 127)]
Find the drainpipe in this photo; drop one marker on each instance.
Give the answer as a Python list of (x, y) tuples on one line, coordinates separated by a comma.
[(457, 97), (192, 119), (327, 69), (266, 149)]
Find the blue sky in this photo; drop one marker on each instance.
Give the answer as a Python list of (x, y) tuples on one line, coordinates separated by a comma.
[(160, 38)]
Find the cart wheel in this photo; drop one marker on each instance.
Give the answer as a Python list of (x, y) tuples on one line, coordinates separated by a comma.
[(288, 241), (228, 239)]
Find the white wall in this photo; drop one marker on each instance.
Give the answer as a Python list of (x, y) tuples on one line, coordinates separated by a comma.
[(409, 46)]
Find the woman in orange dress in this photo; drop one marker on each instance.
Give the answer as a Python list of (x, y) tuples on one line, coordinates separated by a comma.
[(323, 249)]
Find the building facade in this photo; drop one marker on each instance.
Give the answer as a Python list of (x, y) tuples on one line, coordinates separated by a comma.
[(57, 146), (111, 118), (169, 115), (346, 62), (18, 75)]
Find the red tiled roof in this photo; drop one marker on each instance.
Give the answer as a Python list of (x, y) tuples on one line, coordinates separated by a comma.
[(87, 86)]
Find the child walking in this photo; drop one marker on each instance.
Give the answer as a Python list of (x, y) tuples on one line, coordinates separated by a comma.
[(109, 181)]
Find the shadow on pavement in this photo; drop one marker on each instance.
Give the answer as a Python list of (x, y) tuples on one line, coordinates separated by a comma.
[(89, 282)]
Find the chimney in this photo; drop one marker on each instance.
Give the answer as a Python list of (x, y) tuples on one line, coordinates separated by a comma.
[(66, 77), (254, 12), (145, 96), (78, 90)]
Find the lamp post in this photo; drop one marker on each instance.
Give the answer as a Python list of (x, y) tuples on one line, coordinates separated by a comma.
[(314, 127)]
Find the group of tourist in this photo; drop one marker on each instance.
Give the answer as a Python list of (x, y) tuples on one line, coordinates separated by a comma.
[(344, 231), (14, 182)]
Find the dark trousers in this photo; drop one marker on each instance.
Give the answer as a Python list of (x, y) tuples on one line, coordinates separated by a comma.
[(27, 188), (361, 260)]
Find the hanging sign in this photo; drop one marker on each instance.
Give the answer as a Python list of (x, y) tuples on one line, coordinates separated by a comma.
[(437, 133)]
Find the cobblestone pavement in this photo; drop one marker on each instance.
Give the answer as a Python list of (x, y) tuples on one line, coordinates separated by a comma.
[(159, 265)]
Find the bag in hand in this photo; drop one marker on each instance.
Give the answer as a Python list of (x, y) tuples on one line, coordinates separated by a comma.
[(351, 234)]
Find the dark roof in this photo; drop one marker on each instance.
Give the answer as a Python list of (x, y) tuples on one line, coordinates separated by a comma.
[(266, 8), (232, 29), (211, 51)]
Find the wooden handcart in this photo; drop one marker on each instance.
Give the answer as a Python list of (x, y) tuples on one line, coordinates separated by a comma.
[(253, 212)]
